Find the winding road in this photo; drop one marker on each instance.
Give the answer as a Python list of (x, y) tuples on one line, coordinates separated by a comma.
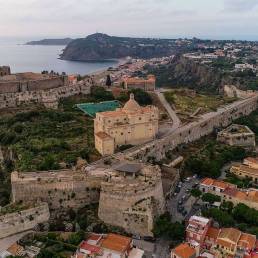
[(176, 121)]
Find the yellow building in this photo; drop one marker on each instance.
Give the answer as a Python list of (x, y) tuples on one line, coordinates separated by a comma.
[(249, 169), (131, 124)]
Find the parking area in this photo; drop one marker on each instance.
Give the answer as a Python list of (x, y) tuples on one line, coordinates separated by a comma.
[(182, 205)]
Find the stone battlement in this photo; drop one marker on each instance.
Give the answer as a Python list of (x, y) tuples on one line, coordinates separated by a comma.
[(204, 126), (44, 96), (23, 220)]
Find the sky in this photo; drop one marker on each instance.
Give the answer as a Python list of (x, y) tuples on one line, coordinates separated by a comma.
[(213, 19)]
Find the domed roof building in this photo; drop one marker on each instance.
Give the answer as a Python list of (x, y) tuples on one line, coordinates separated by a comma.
[(131, 105), (131, 124)]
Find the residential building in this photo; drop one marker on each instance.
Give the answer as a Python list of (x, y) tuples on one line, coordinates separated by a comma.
[(148, 84), (108, 246), (248, 197), (208, 185), (227, 241), (183, 251), (131, 124), (249, 169), (251, 162), (197, 228), (219, 243), (237, 135), (229, 192), (14, 250)]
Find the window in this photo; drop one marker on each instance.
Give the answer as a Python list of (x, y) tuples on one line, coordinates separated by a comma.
[(140, 118), (122, 133)]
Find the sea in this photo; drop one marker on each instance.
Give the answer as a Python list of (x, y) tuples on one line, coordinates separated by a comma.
[(26, 58)]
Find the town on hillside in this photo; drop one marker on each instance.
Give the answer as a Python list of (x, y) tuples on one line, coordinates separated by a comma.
[(155, 157)]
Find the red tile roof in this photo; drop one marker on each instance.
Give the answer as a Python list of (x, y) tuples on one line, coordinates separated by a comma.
[(184, 251), (91, 248)]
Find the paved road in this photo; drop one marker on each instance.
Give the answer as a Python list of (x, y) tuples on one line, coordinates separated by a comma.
[(176, 121), (5, 243), (188, 202)]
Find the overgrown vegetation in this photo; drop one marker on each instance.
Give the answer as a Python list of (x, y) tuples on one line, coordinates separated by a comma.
[(163, 227), (240, 216), (187, 101), (212, 157)]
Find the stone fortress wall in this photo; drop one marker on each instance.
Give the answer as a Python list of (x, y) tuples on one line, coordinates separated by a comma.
[(16, 86), (133, 205), (60, 189), (44, 96), (46, 89), (204, 126), (129, 203), (13, 223)]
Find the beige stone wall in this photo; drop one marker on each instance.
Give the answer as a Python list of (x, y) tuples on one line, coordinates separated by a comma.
[(132, 206), (16, 222), (28, 97), (16, 86), (195, 130), (60, 189)]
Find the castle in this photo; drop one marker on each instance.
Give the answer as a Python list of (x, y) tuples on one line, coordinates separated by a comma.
[(129, 195), (131, 124), (47, 89)]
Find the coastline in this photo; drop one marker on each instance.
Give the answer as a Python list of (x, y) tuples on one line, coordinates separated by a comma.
[(102, 72)]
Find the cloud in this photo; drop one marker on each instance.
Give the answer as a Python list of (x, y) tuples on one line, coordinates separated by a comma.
[(240, 5)]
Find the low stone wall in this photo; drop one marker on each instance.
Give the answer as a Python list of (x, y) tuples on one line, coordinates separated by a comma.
[(17, 222), (233, 92), (204, 126)]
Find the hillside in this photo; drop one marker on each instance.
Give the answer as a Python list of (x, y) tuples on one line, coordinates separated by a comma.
[(97, 47), (185, 73), (50, 42)]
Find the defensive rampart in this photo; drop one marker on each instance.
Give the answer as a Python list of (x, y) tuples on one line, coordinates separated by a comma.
[(133, 205), (205, 125), (44, 96), (16, 222), (60, 189)]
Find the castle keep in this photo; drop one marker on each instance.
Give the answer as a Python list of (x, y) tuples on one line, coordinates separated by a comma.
[(132, 198)]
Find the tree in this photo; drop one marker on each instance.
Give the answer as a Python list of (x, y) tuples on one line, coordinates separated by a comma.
[(108, 81), (227, 206), (76, 238), (245, 214), (141, 96), (163, 227), (222, 217), (196, 193), (49, 163), (211, 198)]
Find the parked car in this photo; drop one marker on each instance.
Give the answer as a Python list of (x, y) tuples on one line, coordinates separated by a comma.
[(137, 237), (149, 239), (184, 212)]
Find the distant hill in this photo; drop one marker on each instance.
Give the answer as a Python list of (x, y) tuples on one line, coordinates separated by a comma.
[(51, 42), (97, 47)]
